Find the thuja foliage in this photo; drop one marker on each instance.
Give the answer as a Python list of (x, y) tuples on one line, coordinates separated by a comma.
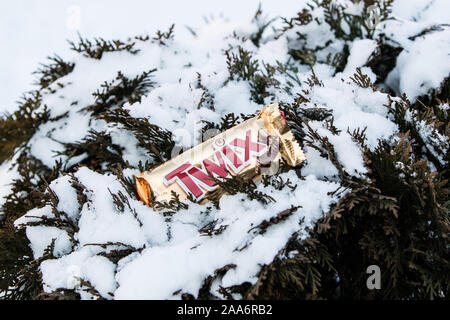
[(121, 90), (428, 126), (156, 141), (17, 128), (396, 217), (242, 66), (97, 147), (18, 270), (95, 50), (163, 37), (345, 27), (19, 274), (49, 73), (359, 25)]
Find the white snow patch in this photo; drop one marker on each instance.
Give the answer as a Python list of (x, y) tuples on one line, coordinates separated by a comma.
[(423, 66)]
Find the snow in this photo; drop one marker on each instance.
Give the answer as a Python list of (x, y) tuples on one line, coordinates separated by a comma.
[(67, 197), (317, 165), (163, 107), (425, 60), (41, 237), (235, 97), (170, 253), (360, 52), (422, 10), (84, 264), (130, 151), (31, 30), (159, 269), (423, 66), (273, 51), (99, 220), (34, 215), (7, 175), (347, 151), (356, 108)]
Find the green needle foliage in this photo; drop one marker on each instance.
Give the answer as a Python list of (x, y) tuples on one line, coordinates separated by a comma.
[(396, 216)]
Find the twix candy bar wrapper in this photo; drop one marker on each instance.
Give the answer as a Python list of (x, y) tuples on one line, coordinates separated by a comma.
[(249, 149)]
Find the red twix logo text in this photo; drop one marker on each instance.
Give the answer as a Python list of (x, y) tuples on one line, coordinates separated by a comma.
[(193, 179)]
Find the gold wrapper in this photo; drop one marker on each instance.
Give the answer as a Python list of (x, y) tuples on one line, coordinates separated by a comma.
[(250, 149)]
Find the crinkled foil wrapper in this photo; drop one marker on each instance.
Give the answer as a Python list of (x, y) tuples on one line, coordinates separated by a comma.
[(250, 149)]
